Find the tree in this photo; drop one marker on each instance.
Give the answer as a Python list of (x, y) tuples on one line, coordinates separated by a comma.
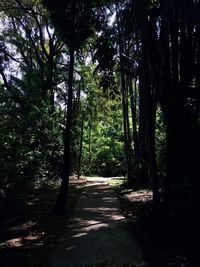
[(167, 31), (77, 29), (31, 117)]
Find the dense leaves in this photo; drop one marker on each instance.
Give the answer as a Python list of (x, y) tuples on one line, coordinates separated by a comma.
[(31, 121), (95, 87)]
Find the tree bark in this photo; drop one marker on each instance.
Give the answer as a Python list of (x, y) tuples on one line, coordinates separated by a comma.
[(125, 100), (90, 147), (134, 118), (81, 147), (50, 86), (153, 174), (61, 203)]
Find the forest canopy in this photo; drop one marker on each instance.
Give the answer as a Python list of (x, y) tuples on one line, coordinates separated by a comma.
[(109, 88)]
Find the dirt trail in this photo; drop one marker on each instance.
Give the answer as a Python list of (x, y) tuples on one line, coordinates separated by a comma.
[(97, 234)]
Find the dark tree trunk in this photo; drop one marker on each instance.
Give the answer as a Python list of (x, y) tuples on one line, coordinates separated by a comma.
[(152, 155), (125, 99), (127, 136), (50, 86), (144, 96), (147, 120), (132, 94), (81, 147), (61, 203), (90, 147), (134, 117)]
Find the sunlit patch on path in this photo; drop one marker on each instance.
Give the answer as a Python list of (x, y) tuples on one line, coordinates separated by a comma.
[(97, 234)]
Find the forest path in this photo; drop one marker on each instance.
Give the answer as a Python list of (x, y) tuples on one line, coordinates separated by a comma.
[(98, 234)]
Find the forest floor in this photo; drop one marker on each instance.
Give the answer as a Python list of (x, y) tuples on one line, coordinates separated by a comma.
[(97, 234), (164, 242), (28, 227)]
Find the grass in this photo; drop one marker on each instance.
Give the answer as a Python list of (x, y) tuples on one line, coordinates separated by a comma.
[(117, 182)]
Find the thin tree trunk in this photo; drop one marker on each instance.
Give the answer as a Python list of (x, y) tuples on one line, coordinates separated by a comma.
[(127, 138), (134, 119), (144, 96), (81, 148), (89, 147), (61, 203), (125, 108), (50, 86), (152, 156)]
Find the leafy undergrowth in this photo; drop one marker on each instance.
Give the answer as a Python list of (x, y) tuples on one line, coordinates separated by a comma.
[(167, 240), (29, 229)]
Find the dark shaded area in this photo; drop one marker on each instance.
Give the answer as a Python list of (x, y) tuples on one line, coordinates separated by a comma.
[(165, 242), (29, 231)]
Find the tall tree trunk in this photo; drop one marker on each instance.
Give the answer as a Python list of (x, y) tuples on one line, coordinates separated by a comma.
[(153, 174), (81, 147), (50, 86), (125, 100), (90, 147), (61, 203), (127, 136), (134, 117), (144, 96)]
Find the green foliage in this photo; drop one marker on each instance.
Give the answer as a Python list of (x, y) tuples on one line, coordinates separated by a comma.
[(102, 129), (105, 55), (30, 139), (103, 146)]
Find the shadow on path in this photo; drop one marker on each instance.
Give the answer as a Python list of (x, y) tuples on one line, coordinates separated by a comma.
[(97, 235)]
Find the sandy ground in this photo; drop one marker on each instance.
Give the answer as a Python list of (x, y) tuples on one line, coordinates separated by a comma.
[(98, 234)]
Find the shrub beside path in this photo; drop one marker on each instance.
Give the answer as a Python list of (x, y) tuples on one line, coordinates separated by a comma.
[(97, 234)]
